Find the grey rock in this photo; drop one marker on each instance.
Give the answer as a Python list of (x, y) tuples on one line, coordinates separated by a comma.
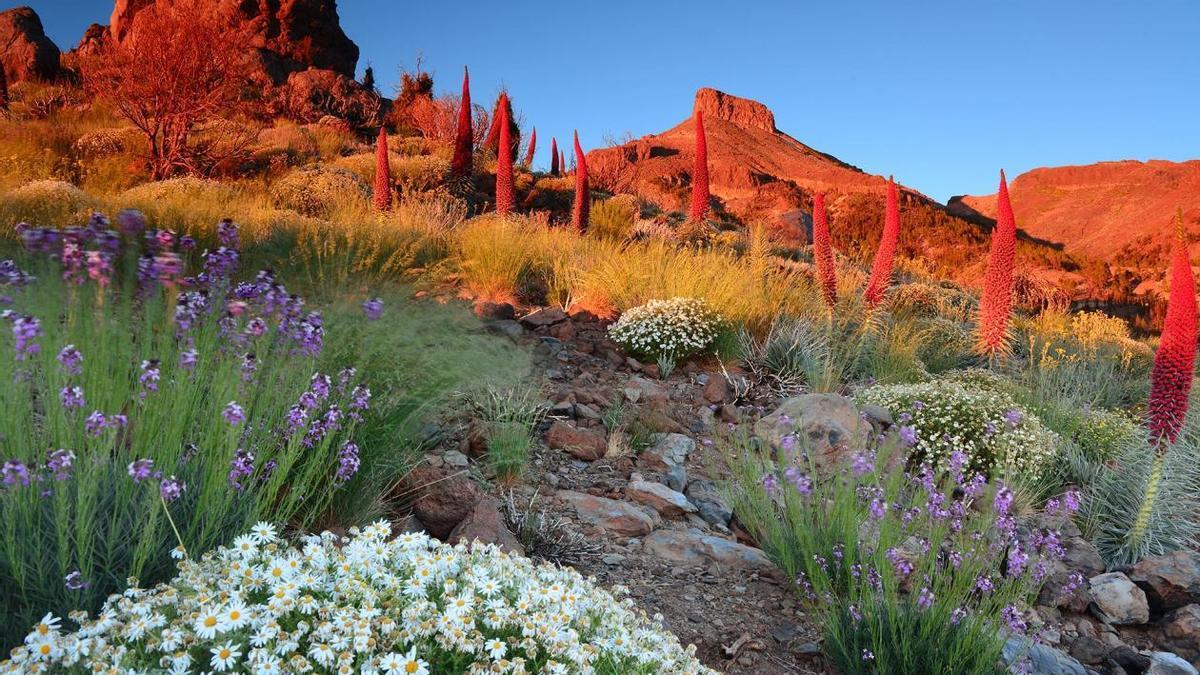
[(659, 497), (826, 426), (710, 504), (1117, 600), (674, 449), (676, 478), (508, 328), (547, 316), (694, 548), (456, 459), (1170, 581), (1166, 663), (1041, 659)]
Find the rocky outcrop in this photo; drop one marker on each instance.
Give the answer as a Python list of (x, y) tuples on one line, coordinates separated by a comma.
[(290, 35), (25, 51), (740, 111)]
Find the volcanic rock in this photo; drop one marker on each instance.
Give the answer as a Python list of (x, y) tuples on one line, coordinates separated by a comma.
[(25, 51)]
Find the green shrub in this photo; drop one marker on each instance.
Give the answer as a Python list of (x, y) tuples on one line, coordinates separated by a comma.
[(944, 416), (613, 218), (45, 203), (674, 329), (510, 416), (318, 192), (905, 572)]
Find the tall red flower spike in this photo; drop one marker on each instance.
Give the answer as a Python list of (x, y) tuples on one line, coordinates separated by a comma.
[(700, 173), (532, 147), (562, 162), (996, 304), (383, 173), (1171, 379), (464, 137), (504, 163), (823, 251), (3, 91), (885, 256), (553, 156), (583, 198)]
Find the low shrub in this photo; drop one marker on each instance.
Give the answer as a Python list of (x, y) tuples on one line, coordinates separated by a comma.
[(941, 417), (510, 417), (613, 218), (672, 329), (907, 572), (368, 603), (45, 202), (318, 192)]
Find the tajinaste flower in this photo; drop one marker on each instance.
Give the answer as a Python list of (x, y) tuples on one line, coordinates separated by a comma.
[(373, 308), (141, 470), (71, 397), (348, 463), (171, 488), (71, 360), (234, 414), (60, 463)]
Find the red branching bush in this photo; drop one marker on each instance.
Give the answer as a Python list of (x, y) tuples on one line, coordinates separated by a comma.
[(583, 198), (532, 147), (553, 156), (1171, 379), (505, 200), (700, 173), (383, 173), (885, 256), (996, 304), (460, 165), (823, 251)]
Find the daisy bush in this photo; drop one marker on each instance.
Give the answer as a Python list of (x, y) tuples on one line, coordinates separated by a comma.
[(940, 417), (908, 570), (152, 404), (369, 603), (672, 329)]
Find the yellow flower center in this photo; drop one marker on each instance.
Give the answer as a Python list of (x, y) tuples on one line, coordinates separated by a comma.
[(225, 653), (235, 615), (45, 650), (410, 667), (210, 621)]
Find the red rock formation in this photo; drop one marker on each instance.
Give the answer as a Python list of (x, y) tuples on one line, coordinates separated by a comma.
[(583, 197), (505, 199), (460, 165), (699, 172), (996, 304), (1098, 210), (25, 51), (289, 35), (383, 173), (823, 251), (885, 255)]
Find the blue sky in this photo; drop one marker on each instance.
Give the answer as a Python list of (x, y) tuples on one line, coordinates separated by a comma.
[(941, 94)]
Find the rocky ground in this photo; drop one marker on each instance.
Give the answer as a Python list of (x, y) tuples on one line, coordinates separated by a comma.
[(623, 477)]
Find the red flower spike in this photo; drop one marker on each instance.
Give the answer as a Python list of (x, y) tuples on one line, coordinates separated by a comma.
[(460, 166), (885, 256), (583, 198), (505, 201), (996, 305), (1174, 363), (532, 147), (700, 173), (823, 251), (553, 156), (383, 173)]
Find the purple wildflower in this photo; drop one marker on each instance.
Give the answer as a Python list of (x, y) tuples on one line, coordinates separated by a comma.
[(187, 359), (249, 366), (1013, 618), (348, 462), (799, 480), (320, 385), (1013, 417), (71, 397), (95, 423), (925, 598), (900, 565), (60, 464), (240, 467), (150, 375), (908, 436), (75, 581), (958, 615), (227, 234), (983, 584), (373, 308), (171, 488), (14, 471), (770, 483), (71, 360), (234, 414), (131, 222), (862, 463), (26, 329), (141, 470), (878, 508)]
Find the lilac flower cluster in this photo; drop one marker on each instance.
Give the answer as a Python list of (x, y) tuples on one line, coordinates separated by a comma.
[(11, 279)]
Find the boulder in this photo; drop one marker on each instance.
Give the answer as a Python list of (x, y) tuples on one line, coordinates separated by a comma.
[(1039, 659), (669, 450), (1117, 600), (615, 517), (25, 51), (444, 499), (659, 497), (1182, 631), (1166, 663), (484, 523), (1170, 581), (545, 317), (584, 444), (694, 548), (495, 311), (826, 426)]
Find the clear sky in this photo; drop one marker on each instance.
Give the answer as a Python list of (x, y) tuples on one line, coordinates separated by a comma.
[(941, 94)]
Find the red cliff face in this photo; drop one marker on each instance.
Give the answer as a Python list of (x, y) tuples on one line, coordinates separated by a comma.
[(1111, 211), (25, 51)]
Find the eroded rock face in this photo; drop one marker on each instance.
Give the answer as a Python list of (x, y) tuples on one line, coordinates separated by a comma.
[(290, 35), (1117, 600), (1170, 581), (826, 426), (741, 111), (25, 51)]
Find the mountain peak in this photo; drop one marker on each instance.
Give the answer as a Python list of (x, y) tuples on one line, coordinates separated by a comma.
[(740, 111)]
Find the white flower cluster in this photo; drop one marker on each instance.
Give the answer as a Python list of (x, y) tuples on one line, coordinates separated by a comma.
[(937, 418), (676, 328), (367, 604)]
